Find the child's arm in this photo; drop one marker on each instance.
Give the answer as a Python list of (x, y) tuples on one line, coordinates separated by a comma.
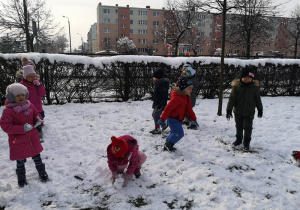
[(41, 90), (133, 162), (232, 99), (168, 109), (7, 124)]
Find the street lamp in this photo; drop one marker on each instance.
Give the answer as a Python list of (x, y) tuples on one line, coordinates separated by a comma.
[(69, 33), (81, 42)]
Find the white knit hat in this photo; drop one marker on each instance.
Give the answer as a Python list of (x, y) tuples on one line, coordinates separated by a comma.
[(29, 69), (15, 89)]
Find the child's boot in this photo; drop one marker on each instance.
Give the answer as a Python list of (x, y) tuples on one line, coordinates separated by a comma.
[(247, 144), (21, 174), (137, 172), (169, 146), (41, 136), (42, 172)]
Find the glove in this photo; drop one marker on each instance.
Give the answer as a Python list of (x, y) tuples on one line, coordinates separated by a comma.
[(38, 122), (260, 113), (114, 176), (27, 127), (161, 123), (194, 125), (229, 114), (126, 178), (36, 82)]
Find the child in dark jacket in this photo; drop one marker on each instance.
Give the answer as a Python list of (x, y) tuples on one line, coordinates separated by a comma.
[(178, 107), (123, 152), (19, 120), (244, 98), (160, 98)]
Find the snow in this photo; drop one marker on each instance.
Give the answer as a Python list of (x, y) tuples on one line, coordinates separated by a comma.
[(204, 173), (171, 61)]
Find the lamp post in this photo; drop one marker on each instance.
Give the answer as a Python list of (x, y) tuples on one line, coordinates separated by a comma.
[(69, 33), (81, 42)]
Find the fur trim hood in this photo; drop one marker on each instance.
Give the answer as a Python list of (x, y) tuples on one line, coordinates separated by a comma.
[(236, 83)]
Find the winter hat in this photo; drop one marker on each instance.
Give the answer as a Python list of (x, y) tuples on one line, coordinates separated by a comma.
[(15, 89), (28, 70), (119, 147), (185, 66), (26, 62), (248, 71), (159, 74), (184, 83), (188, 72)]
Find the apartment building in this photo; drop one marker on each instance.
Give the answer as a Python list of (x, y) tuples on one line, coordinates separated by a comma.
[(144, 26), (92, 41)]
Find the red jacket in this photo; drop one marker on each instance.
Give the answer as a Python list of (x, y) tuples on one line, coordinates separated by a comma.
[(131, 157), (178, 107), (21, 144), (35, 94)]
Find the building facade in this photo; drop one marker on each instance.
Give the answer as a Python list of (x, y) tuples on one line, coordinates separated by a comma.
[(92, 41)]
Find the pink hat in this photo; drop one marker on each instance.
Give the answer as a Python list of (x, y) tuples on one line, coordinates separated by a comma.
[(28, 70), (26, 62)]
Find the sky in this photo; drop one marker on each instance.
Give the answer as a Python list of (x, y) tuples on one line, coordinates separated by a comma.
[(82, 14), (205, 172)]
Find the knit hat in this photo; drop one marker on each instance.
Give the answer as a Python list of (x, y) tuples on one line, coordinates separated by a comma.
[(188, 72), (119, 147), (248, 71), (26, 62), (15, 89), (159, 74), (28, 70), (184, 83)]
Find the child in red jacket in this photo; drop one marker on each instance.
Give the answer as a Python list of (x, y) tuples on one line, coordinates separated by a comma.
[(19, 120), (178, 107), (123, 152)]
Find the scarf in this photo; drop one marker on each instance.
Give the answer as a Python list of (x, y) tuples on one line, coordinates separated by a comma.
[(20, 107)]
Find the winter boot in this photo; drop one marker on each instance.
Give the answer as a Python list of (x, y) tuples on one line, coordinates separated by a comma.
[(169, 147), (247, 144), (137, 173), (165, 127), (42, 173), (155, 131), (236, 143), (21, 174)]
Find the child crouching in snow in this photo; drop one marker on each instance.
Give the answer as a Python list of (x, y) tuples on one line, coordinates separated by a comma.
[(123, 152), (19, 120)]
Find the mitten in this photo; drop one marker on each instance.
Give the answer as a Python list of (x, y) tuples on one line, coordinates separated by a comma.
[(194, 125), (161, 123), (229, 114), (27, 127), (36, 82), (114, 176), (126, 178), (260, 113), (39, 121)]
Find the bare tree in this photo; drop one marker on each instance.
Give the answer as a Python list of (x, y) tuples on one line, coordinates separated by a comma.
[(16, 18), (195, 39), (251, 24), (293, 31)]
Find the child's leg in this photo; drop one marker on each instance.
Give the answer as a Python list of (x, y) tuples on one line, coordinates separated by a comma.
[(142, 159), (121, 168), (21, 172), (40, 167), (248, 122), (176, 130), (239, 121), (156, 116)]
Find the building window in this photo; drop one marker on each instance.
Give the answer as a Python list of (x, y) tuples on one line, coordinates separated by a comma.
[(200, 33), (155, 32), (201, 16), (131, 12), (107, 30), (155, 50), (106, 40), (142, 12), (142, 41), (201, 51), (131, 31), (106, 10), (201, 25), (131, 22), (141, 49), (123, 26), (106, 20), (117, 21), (142, 22), (155, 14), (267, 44), (123, 16), (142, 31), (155, 41), (116, 11), (123, 35), (155, 23)]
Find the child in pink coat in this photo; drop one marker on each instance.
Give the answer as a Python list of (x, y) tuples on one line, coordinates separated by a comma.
[(19, 120), (123, 152), (36, 90)]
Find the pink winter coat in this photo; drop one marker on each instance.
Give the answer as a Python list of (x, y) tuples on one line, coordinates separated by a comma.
[(35, 94), (21, 144), (131, 158)]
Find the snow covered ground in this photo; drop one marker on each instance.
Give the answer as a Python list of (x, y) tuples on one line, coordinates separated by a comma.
[(204, 173)]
